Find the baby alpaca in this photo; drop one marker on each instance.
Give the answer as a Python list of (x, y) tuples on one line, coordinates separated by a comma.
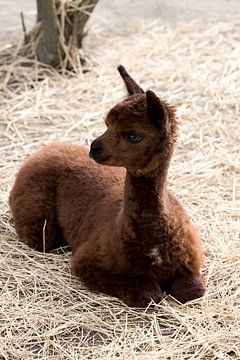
[(129, 235)]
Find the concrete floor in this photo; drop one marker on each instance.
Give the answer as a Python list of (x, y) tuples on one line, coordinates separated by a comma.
[(117, 14)]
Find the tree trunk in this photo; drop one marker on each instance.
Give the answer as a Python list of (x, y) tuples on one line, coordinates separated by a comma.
[(59, 32), (48, 48)]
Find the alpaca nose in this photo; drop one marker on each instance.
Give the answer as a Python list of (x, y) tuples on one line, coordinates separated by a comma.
[(96, 150)]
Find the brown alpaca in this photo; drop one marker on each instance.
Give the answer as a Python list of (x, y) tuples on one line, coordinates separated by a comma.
[(130, 237)]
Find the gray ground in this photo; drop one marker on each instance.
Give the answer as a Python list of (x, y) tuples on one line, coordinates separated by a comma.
[(117, 13)]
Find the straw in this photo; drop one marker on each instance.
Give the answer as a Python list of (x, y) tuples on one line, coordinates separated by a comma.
[(46, 313)]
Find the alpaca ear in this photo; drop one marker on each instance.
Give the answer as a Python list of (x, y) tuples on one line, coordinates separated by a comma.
[(131, 85), (156, 112)]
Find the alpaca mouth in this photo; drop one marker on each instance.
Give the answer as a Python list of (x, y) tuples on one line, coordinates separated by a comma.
[(102, 159), (99, 158)]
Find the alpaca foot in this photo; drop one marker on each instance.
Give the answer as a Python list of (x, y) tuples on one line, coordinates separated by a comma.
[(188, 288), (141, 296), (137, 292)]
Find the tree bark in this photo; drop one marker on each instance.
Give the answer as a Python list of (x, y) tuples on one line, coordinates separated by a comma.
[(39, 10), (48, 50)]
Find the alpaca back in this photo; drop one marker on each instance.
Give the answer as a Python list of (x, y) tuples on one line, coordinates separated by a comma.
[(60, 194)]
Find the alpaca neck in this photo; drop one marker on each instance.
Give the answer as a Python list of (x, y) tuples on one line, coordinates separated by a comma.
[(153, 187), (145, 202)]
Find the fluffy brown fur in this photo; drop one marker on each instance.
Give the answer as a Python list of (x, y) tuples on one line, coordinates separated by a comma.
[(129, 235)]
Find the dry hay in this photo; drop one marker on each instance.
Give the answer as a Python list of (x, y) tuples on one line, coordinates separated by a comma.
[(45, 313)]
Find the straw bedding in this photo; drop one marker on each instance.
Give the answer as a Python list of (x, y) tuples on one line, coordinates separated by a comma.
[(45, 312)]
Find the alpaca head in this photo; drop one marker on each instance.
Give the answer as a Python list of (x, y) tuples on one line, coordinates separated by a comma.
[(141, 131)]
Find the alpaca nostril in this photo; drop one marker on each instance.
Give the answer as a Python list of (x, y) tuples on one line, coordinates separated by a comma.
[(96, 153), (95, 144), (96, 150)]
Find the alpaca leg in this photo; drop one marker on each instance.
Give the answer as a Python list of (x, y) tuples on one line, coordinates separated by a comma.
[(134, 291), (34, 217), (39, 233), (187, 288)]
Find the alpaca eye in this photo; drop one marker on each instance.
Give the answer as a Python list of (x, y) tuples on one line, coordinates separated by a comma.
[(133, 138)]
